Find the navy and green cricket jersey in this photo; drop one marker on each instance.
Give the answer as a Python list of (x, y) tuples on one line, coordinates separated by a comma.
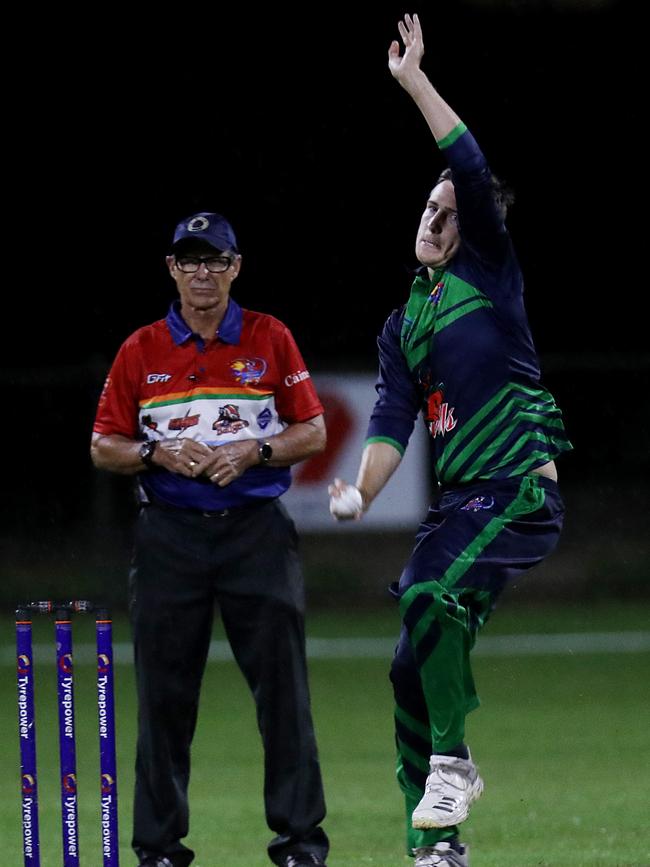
[(461, 351)]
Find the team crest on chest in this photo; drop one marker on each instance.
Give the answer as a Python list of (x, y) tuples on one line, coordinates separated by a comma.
[(248, 371), (229, 420)]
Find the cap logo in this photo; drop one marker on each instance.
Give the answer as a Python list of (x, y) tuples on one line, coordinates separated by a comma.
[(198, 224)]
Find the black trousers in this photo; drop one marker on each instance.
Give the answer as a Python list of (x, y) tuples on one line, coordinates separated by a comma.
[(247, 562)]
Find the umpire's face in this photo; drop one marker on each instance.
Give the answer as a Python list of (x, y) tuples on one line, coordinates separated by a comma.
[(203, 277)]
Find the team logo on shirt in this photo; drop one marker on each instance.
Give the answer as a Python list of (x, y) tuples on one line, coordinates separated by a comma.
[(440, 416), (229, 420), (264, 418), (248, 371), (181, 424), (436, 293), (478, 503), (149, 423)]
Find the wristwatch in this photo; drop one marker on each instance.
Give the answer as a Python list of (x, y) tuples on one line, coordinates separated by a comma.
[(265, 452), (146, 452)]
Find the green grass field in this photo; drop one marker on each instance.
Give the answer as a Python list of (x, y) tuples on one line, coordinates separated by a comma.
[(562, 742)]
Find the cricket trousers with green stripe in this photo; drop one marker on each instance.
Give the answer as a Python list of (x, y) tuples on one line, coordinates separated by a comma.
[(477, 538)]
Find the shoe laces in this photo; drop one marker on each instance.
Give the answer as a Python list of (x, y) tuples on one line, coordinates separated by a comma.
[(449, 773)]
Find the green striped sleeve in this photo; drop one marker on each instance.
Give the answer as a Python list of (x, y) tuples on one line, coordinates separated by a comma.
[(391, 442), (452, 136)]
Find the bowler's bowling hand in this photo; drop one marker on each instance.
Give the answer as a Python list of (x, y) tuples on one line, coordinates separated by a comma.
[(346, 502)]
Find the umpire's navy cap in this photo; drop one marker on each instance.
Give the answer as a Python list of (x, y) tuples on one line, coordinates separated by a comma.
[(206, 226)]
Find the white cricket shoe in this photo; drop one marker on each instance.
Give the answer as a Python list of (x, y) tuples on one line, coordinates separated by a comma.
[(441, 855), (452, 786)]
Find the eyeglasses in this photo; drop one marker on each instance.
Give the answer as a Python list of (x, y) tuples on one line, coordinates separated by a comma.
[(214, 264)]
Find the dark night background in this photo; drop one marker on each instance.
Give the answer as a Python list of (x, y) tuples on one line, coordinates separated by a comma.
[(291, 125)]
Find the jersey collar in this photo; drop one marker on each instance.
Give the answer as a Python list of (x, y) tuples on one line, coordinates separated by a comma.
[(229, 330)]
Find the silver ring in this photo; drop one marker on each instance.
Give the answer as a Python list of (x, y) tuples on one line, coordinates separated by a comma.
[(215, 476), (192, 464)]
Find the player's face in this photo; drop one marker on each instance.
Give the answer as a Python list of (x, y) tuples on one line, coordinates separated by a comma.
[(203, 290), (438, 238)]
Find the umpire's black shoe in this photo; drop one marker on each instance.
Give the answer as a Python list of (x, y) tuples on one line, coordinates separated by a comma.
[(302, 859), (157, 861)]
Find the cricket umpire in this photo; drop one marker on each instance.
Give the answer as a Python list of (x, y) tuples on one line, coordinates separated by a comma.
[(208, 408)]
